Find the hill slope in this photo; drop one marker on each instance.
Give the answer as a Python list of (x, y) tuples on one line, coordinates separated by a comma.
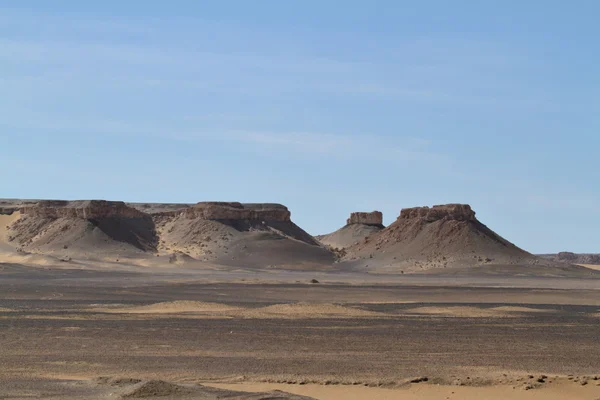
[(249, 235), (358, 226), (439, 237), (241, 235)]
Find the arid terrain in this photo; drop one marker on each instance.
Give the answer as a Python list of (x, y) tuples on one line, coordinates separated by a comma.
[(227, 300)]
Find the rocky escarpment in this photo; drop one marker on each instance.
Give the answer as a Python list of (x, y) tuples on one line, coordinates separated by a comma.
[(83, 209), (359, 226), (91, 227), (237, 211), (456, 212), (9, 206), (436, 237), (222, 232), (366, 218)]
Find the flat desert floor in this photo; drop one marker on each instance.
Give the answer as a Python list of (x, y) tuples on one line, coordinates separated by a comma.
[(77, 333)]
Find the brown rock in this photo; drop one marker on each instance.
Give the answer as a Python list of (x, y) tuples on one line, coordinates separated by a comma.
[(453, 212), (84, 209), (366, 218), (238, 211)]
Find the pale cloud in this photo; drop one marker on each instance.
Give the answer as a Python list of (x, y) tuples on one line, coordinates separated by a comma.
[(420, 71), (395, 149)]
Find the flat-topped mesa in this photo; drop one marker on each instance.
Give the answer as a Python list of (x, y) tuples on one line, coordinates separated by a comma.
[(456, 212), (213, 210), (366, 218), (83, 209)]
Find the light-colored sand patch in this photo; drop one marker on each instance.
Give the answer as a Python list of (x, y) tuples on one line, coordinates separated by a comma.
[(475, 312), (308, 310), (2, 309), (11, 256), (591, 266), (199, 309), (174, 307), (519, 309), (559, 391), (458, 311)]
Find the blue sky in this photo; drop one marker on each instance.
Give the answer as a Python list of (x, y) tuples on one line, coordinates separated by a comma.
[(325, 106)]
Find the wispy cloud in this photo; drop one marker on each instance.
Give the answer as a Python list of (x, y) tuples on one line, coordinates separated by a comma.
[(343, 146), (420, 71)]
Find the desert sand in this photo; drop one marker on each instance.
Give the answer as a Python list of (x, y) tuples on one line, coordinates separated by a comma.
[(591, 266), (226, 300), (557, 391)]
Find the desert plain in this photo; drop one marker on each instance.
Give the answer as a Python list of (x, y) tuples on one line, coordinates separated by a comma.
[(101, 300)]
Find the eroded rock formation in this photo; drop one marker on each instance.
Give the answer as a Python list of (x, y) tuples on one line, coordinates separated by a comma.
[(238, 211), (83, 209), (573, 258), (455, 212), (366, 218)]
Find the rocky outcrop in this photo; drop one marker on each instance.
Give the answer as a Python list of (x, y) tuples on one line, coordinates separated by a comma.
[(566, 256), (366, 218), (453, 212), (82, 209), (574, 258), (8, 210), (98, 209), (237, 211)]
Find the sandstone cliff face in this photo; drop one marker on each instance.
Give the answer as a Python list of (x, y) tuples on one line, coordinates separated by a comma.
[(366, 218), (83, 209), (237, 211), (455, 212)]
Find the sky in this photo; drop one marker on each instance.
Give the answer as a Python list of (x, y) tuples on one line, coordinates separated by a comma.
[(327, 107)]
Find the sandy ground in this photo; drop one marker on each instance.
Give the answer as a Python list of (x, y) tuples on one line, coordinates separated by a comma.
[(558, 391), (61, 329), (591, 266)]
